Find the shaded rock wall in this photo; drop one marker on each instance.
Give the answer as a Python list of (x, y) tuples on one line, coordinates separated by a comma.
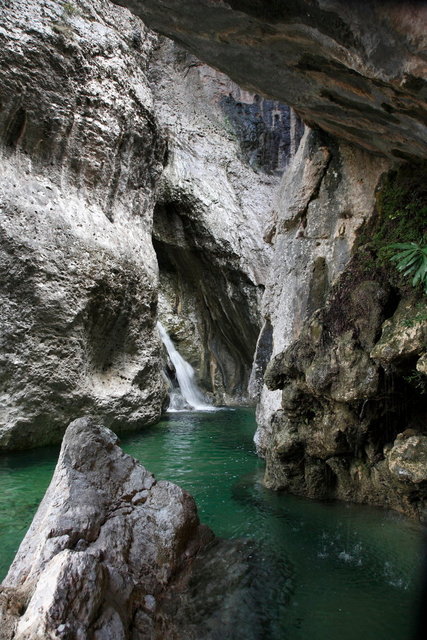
[(353, 410), (81, 155), (356, 69), (325, 197), (214, 201)]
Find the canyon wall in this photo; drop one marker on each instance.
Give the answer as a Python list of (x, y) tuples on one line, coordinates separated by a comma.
[(226, 151), (343, 412), (81, 156), (112, 139)]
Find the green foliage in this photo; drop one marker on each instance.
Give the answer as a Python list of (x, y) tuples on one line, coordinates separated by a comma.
[(70, 9), (417, 380), (401, 204), (411, 260), (419, 315)]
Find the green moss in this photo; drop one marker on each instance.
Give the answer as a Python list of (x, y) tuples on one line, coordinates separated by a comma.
[(70, 9), (401, 217)]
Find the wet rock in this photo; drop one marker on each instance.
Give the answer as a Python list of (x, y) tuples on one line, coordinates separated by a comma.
[(404, 336), (354, 69), (407, 459)]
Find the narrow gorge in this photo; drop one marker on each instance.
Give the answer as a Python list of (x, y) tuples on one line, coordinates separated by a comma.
[(231, 182)]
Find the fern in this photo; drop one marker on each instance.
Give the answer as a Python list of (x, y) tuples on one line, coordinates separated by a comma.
[(411, 260)]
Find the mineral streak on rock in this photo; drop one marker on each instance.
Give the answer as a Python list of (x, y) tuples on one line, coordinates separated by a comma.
[(356, 69)]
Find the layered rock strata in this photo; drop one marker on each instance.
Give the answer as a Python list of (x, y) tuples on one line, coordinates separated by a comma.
[(113, 554)]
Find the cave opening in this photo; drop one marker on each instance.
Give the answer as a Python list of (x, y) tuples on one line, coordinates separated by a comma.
[(206, 303)]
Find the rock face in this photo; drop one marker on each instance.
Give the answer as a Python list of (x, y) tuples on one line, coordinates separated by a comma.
[(102, 547), (355, 69), (93, 108), (81, 155), (351, 419), (113, 554), (326, 195), (225, 148)]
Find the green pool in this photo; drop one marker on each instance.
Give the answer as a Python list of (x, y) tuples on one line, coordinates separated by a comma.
[(332, 571)]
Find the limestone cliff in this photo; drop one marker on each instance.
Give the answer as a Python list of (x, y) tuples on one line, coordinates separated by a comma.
[(351, 423), (81, 156), (102, 127), (225, 148)]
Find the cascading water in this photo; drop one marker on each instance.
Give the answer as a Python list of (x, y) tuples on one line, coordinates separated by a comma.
[(189, 395)]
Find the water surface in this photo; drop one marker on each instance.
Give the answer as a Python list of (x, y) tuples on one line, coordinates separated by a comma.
[(328, 571)]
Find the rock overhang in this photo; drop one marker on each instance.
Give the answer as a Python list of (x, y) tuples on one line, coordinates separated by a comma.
[(357, 70)]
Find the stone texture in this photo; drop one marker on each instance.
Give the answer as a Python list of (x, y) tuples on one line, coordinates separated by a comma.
[(407, 459), (326, 196), (113, 554), (213, 204), (402, 338), (105, 542), (81, 156), (352, 422), (355, 69)]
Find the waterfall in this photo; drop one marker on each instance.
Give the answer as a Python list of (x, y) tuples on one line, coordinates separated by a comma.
[(190, 396)]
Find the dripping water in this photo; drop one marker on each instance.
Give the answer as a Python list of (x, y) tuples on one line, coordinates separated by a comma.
[(188, 396)]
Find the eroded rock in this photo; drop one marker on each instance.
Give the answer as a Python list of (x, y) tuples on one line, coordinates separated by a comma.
[(81, 155), (213, 204), (113, 554)]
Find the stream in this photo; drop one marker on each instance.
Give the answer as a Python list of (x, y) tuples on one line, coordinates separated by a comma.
[(332, 571)]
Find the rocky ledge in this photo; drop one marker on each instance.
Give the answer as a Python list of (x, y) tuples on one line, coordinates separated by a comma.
[(113, 554)]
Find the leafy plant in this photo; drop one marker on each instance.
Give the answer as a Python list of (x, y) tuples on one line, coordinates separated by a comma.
[(70, 9), (411, 259)]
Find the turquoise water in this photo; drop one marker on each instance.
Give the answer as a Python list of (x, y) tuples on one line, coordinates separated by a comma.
[(330, 571)]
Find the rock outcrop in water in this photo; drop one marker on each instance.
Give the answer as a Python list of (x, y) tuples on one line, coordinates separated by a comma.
[(113, 554)]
